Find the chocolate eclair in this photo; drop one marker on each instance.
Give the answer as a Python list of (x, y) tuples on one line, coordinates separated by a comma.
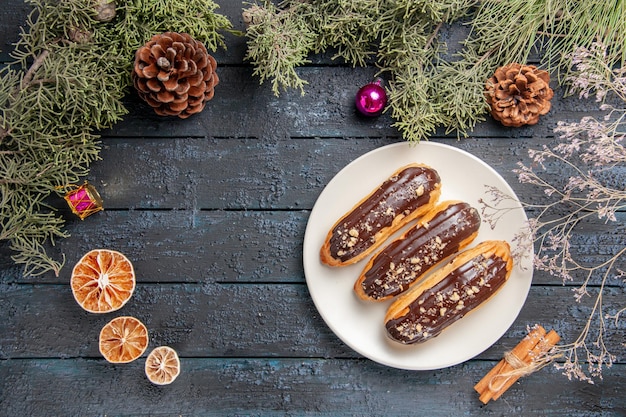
[(445, 230), (449, 293), (408, 193)]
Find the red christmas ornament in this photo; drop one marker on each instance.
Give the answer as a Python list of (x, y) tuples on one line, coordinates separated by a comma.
[(371, 99)]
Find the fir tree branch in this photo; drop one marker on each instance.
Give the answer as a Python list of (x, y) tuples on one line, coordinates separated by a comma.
[(401, 33), (38, 62), (70, 74), (433, 36), (279, 39), (3, 133)]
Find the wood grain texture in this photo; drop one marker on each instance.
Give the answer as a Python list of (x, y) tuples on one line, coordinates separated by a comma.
[(212, 212), (261, 173), (246, 246), (243, 320), (243, 107), (302, 387)]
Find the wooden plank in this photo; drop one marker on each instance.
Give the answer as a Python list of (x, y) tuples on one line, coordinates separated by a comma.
[(184, 246), (232, 320), (13, 15), (241, 246), (303, 387), (327, 110), (208, 173), (242, 105)]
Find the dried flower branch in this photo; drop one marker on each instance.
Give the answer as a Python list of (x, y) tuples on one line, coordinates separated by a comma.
[(592, 151)]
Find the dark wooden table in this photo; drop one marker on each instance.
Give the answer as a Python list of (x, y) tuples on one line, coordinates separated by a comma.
[(212, 212)]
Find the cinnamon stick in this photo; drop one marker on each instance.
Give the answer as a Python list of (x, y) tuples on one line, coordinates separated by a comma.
[(528, 343), (518, 362)]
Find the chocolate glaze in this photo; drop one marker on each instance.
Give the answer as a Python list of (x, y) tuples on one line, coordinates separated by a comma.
[(405, 260), (446, 302), (399, 195)]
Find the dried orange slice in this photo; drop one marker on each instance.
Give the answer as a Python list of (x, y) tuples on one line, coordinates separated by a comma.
[(103, 281), (123, 339), (162, 365)]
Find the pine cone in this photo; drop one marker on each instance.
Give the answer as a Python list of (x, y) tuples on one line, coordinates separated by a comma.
[(175, 74), (519, 94)]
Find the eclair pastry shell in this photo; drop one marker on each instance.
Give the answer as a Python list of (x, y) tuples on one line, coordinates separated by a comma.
[(442, 232), (437, 290), (375, 217)]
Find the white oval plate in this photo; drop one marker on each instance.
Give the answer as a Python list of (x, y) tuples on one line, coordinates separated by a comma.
[(359, 324)]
